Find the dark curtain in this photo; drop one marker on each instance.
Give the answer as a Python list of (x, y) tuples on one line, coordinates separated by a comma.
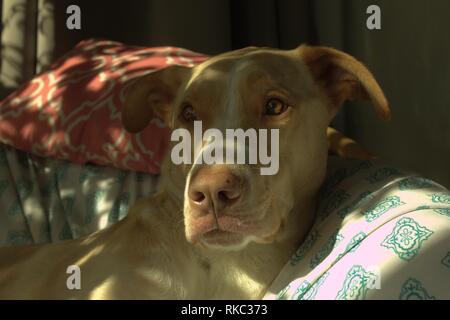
[(201, 25), (279, 24)]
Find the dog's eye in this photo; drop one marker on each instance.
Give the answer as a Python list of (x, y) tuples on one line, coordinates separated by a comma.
[(188, 113), (275, 107)]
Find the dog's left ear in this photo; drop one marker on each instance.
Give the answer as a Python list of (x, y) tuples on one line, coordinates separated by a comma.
[(343, 78), (153, 96)]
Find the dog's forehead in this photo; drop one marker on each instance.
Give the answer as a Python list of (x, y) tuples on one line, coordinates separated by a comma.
[(256, 63)]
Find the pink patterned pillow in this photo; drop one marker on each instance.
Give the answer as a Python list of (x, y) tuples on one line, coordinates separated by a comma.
[(72, 111)]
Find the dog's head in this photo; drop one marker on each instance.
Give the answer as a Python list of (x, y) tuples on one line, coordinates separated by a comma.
[(228, 204)]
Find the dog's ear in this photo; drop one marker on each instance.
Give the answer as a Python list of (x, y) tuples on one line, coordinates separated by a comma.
[(343, 78), (153, 96)]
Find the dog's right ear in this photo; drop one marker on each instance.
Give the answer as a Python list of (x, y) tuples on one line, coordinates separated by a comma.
[(153, 96)]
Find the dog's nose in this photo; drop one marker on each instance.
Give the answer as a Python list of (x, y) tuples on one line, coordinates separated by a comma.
[(213, 189)]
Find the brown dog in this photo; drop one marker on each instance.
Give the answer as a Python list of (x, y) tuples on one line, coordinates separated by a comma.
[(219, 231)]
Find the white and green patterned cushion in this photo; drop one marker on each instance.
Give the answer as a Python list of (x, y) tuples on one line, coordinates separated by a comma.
[(380, 233)]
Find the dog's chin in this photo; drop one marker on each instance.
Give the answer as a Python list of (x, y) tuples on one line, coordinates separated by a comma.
[(224, 240), (230, 232), (232, 241)]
